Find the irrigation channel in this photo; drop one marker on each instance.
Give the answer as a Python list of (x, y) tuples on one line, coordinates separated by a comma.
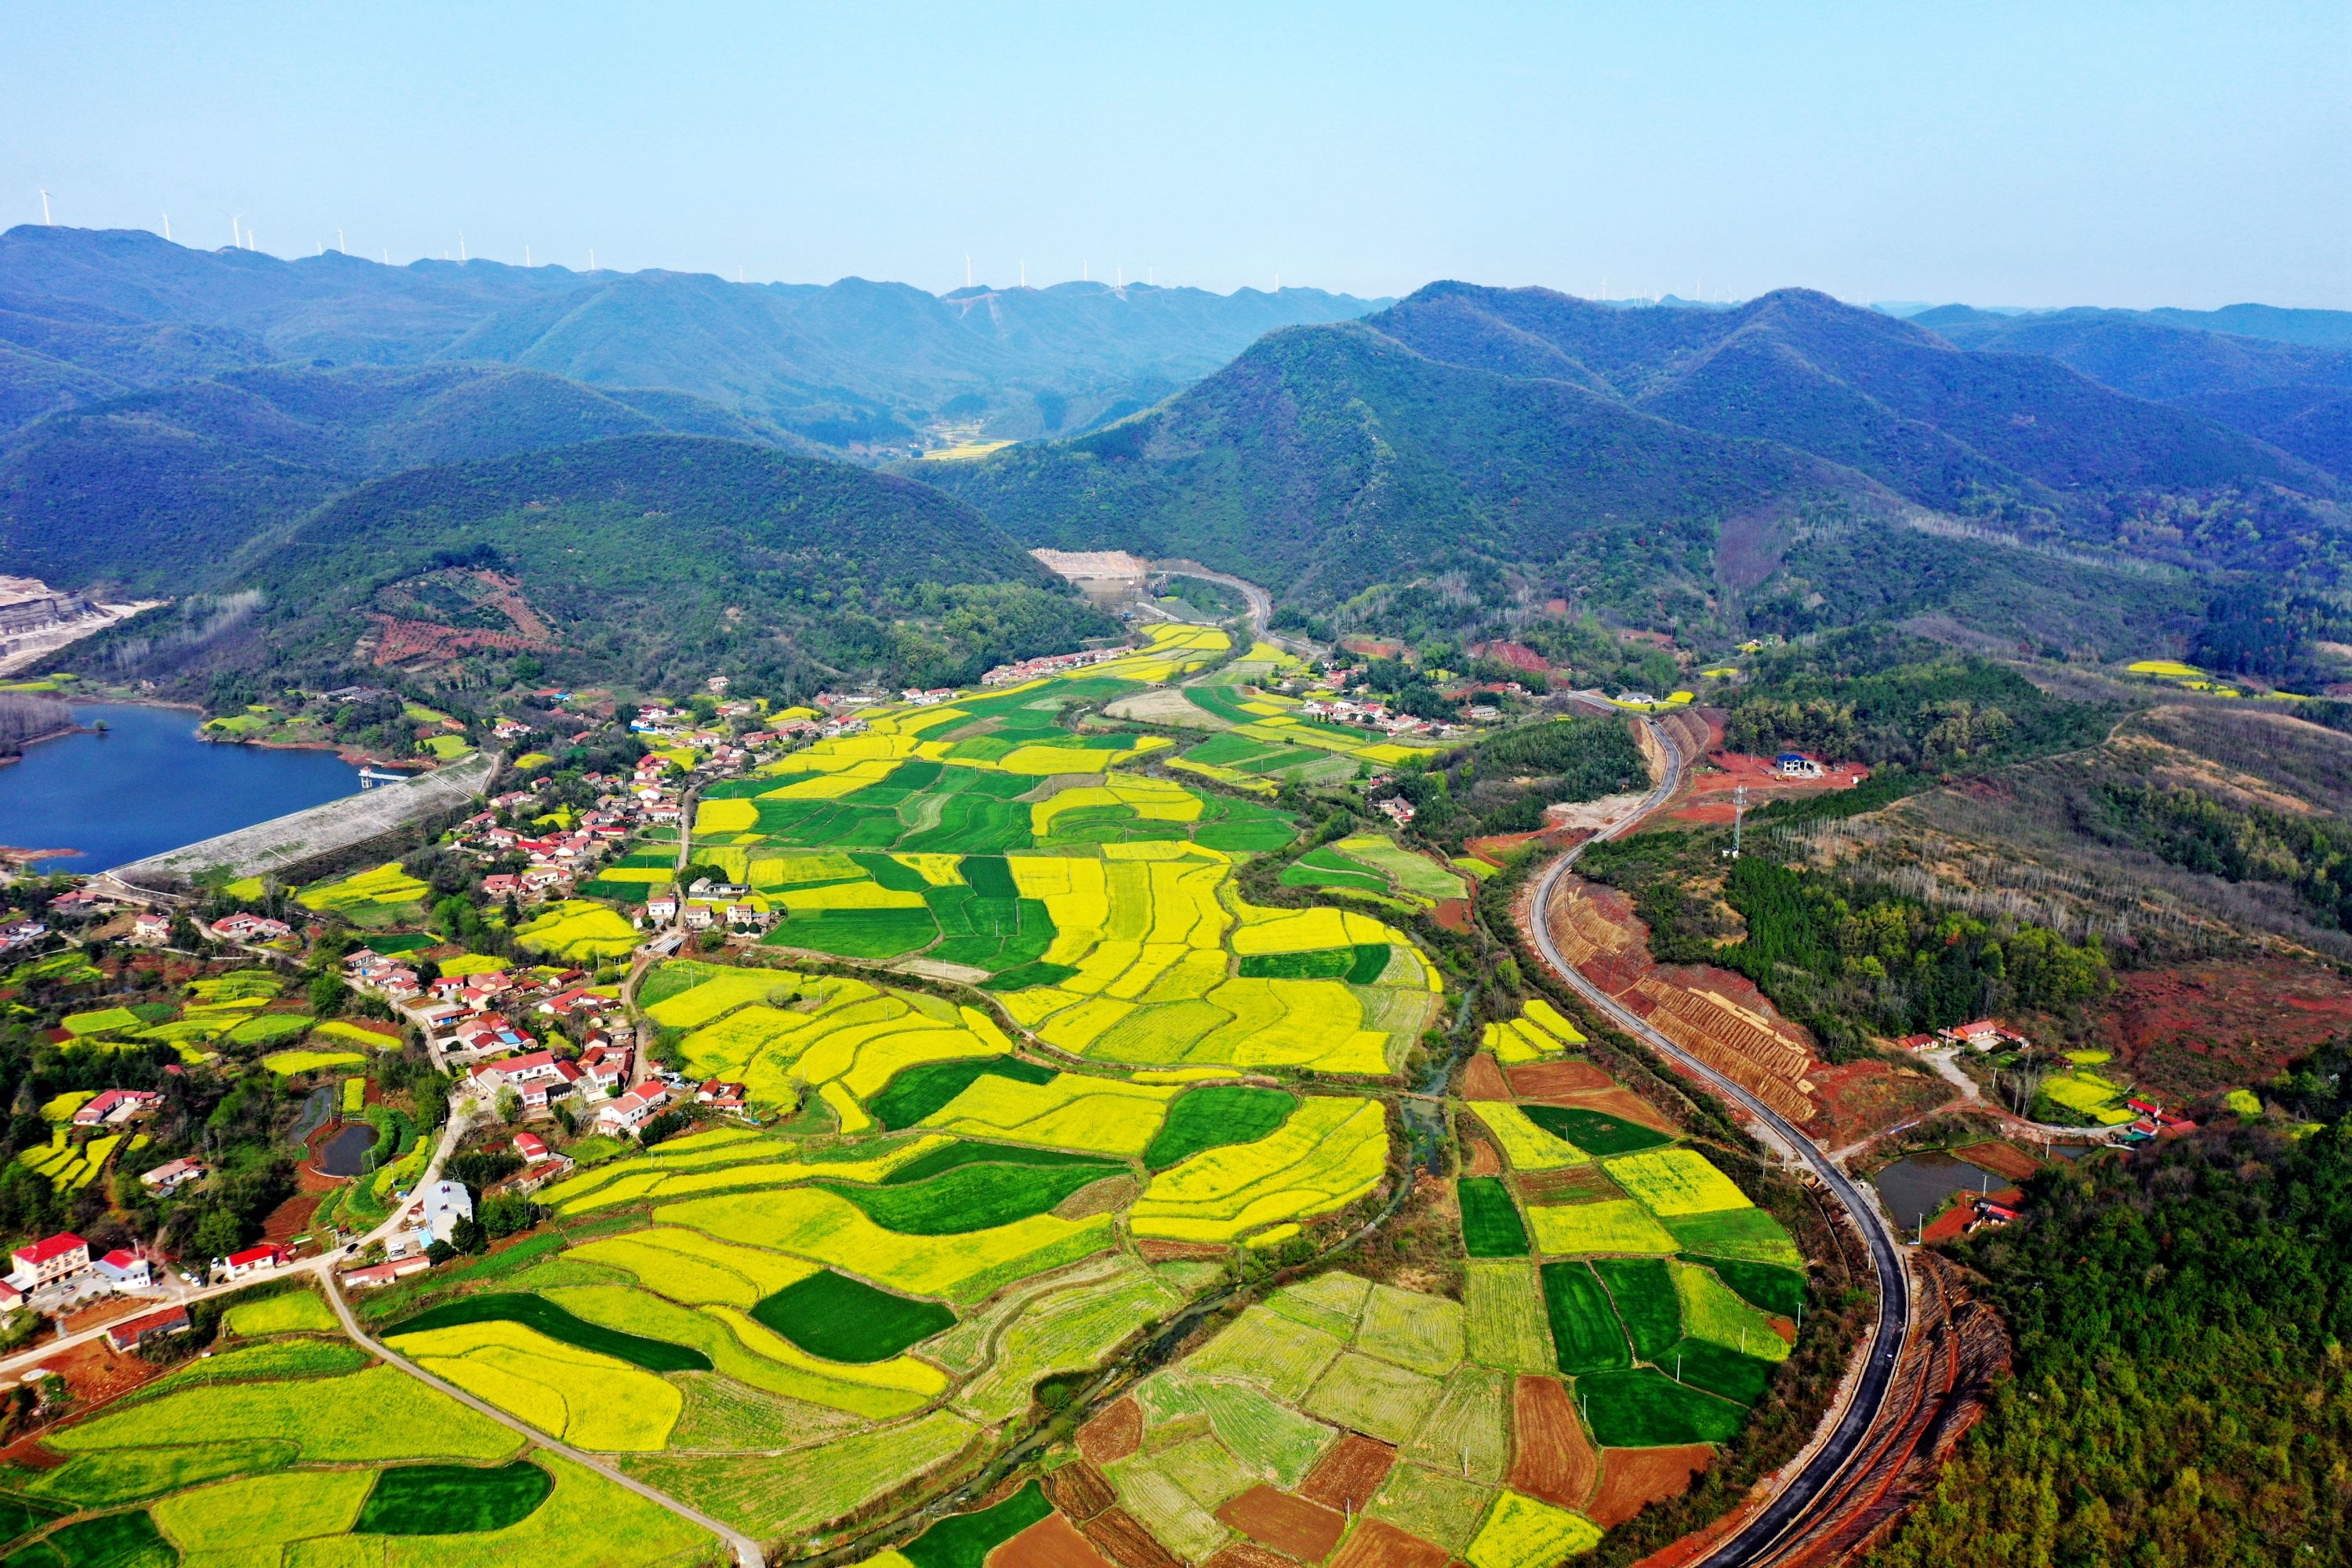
[(1782, 1521)]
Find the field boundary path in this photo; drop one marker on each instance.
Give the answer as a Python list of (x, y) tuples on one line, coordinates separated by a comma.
[(745, 1551), (305, 835), (1782, 1522)]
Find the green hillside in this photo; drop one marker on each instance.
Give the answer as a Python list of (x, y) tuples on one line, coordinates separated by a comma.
[(649, 560)]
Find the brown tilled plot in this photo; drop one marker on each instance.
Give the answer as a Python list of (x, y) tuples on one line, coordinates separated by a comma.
[(1623, 1102), (1630, 1478), (1479, 1159), (1179, 1251), (1549, 1080), (1079, 1490), (2000, 1158), (1114, 1434), (1052, 1542), (1574, 1184), (1376, 1545), (1482, 1079), (1350, 1473), (1306, 1531), (1118, 1535), (1550, 1457), (1246, 1555)]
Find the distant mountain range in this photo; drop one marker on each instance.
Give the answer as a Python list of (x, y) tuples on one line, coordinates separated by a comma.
[(88, 314), (206, 423), (1695, 464)]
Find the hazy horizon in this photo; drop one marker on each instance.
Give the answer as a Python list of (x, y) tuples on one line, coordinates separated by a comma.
[(2108, 155)]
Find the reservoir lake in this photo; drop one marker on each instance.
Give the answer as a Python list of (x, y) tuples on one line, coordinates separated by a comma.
[(148, 785)]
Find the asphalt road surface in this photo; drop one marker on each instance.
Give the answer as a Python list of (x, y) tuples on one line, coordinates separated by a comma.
[(1789, 1512)]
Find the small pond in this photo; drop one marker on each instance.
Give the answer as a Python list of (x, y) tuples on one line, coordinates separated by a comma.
[(345, 1154), (1915, 1186)]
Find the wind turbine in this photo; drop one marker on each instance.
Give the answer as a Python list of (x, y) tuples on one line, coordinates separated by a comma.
[(236, 234), (339, 243), (45, 210), (591, 258), (526, 256), (967, 268), (461, 245), (1025, 273), (167, 226)]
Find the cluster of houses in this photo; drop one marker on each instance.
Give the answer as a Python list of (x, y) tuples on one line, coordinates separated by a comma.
[(1025, 669), (22, 933), (1372, 714), (58, 1270), (707, 904)]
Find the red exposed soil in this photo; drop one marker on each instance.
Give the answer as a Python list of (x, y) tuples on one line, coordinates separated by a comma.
[(1632, 1477), (1052, 1542), (1707, 796), (1482, 1079), (1114, 1434), (1625, 1102), (28, 1452), (1350, 1473), (1861, 1098), (2197, 1028), (2001, 1159), (289, 1219), (1079, 1490), (1550, 1457), (1555, 1080), (1957, 1350), (1246, 1555), (1950, 1226), (97, 1372), (1479, 1159), (1378, 1545), (1306, 1531), (1452, 914), (425, 642), (1179, 1251), (1117, 1534)]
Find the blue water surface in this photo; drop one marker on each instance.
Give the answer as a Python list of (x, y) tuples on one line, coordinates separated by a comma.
[(148, 785)]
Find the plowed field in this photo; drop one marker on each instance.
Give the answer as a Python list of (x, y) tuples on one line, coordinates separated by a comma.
[(1550, 1457), (1305, 1530), (1630, 1478), (1349, 1474), (1052, 1542), (1377, 1545)]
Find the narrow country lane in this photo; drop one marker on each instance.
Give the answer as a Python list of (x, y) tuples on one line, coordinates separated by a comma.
[(1782, 1522), (745, 1550)]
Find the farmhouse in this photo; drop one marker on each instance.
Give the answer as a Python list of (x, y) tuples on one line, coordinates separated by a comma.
[(171, 1175), (626, 1114), (445, 1203), (1796, 765), (125, 1271), (256, 1260), (117, 1105), (47, 1260), (132, 1332), (376, 1273)]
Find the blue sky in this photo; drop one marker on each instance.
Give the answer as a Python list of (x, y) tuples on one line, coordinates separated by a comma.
[(2041, 155)]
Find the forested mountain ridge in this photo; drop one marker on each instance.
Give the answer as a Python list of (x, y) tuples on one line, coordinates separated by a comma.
[(1796, 438), (154, 489), (847, 365), (2295, 396), (1325, 460), (649, 560)]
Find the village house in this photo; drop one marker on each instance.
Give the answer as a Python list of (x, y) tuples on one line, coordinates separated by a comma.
[(48, 1261), (124, 1270), (117, 1105), (721, 1094), (606, 1066), (255, 1260), (250, 928), (631, 1111), (149, 929), (132, 1332), (533, 1148), (171, 1175), (443, 1205), (380, 1274)]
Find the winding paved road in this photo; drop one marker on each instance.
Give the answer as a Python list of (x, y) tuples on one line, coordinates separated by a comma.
[(1261, 603), (1758, 1540)]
